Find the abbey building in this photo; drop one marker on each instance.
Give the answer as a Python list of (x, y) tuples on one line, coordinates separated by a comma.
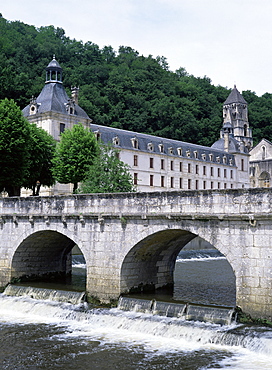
[(156, 163)]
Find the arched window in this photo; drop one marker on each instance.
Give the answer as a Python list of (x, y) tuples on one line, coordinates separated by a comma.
[(245, 130), (263, 152)]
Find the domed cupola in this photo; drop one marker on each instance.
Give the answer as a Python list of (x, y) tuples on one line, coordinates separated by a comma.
[(53, 72)]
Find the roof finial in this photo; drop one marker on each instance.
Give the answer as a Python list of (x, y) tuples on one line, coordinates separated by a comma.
[(54, 57)]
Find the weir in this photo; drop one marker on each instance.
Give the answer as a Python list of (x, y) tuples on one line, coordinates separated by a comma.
[(45, 294), (183, 311)]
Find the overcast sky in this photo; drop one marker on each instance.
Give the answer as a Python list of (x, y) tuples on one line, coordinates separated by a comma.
[(228, 41)]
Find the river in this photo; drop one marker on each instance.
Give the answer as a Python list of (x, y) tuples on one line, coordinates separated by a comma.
[(42, 334)]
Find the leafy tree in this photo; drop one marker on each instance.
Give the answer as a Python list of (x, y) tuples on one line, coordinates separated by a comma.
[(40, 155), (74, 155), (14, 147), (108, 174)]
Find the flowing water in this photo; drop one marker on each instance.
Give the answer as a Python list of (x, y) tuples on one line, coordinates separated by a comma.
[(46, 334)]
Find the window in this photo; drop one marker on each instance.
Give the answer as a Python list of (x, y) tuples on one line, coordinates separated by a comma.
[(116, 140), (211, 171), (189, 167), (135, 160), (225, 172), (180, 166), (172, 182), (179, 151), (211, 185), (162, 181), (196, 154), (218, 172), (204, 170), (218, 185), (211, 157), (135, 178), (162, 164), (134, 142), (189, 183), (204, 185), (172, 165), (97, 134), (231, 174), (196, 169), (180, 182), (242, 165), (150, 147), (225, 185), (62, 127), (196, 184), (263, 152), (117, 155), (151, 162), (170, 150), (151, 180), (161, 148)]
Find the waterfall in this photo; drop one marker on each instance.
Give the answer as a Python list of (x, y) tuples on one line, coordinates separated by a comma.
[(45, 294), (216, 315)]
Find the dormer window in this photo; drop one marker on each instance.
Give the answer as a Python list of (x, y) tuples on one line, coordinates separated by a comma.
[(231, 162), (196, 154), (116, 141), (218, 159), (179, 151), (211, 157), (33, 106), (161, 148), (188, 153), (203, 155), (97, 135), (150, 147), (70, 106), (170, 150), (224, 159), (134, 142)]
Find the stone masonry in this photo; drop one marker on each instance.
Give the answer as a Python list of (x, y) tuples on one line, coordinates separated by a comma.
[(131, 240)]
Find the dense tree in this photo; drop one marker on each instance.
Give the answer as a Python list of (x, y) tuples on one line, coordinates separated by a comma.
[(108, 174), (74, 155), (40, 154), (14, 147), (121, 88)]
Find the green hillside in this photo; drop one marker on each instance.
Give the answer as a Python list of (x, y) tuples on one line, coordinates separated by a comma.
[(121, 88)]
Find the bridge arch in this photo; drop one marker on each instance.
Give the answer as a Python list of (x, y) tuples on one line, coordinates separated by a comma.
[(150, 264), (42, 254)]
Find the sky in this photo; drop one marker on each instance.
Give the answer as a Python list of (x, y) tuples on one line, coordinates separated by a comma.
[(227, 41)]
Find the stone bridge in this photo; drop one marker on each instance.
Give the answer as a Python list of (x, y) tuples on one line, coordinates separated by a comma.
[(131, 240)]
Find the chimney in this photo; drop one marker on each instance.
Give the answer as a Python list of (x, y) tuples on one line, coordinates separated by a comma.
[(226, 141), (74, 94)]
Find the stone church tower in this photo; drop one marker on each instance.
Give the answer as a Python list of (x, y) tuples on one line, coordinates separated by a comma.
[(235, 119)]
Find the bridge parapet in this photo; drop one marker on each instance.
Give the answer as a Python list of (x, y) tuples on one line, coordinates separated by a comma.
[(218, 203)]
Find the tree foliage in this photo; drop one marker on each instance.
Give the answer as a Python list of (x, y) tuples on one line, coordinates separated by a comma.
[(40, 155), (74, 155), (108, 174), (14, 146), (26, 152), (121, 88)]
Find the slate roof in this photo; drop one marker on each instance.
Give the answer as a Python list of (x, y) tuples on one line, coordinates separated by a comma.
[(235, 97), (53, 97), (107, 134)]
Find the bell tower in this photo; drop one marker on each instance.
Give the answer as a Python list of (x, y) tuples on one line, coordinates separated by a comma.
[(236, 118)]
